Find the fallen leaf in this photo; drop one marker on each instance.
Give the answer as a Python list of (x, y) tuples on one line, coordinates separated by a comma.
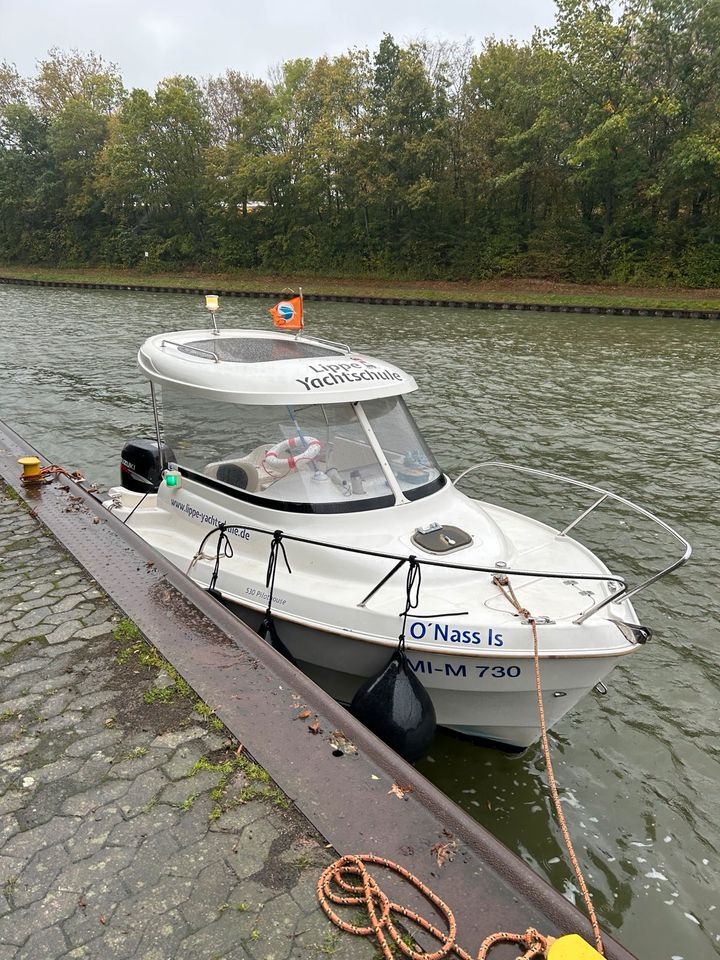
[(373, 777), (314, 727), (103, 920), (239, 750), (96, 520), (304, 714), (399, 791), (444, 851)]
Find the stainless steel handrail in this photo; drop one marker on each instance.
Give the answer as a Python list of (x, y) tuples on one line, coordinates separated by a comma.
[(189, 347), (321, 340), (604, 495)]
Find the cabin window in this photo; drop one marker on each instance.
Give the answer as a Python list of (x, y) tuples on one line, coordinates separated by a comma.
[(315, 457), (409, 457)]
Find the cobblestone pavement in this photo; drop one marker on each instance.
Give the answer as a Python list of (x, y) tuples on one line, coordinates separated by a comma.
[(131, 824)]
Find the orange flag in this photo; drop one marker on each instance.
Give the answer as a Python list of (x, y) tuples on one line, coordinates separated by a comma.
[(288, 314)]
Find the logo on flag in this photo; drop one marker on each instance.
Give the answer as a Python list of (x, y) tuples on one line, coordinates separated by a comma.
[(286, 311), (288, 314)]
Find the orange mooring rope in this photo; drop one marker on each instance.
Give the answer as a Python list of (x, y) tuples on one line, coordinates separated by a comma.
[(339, 884), (505, 587)]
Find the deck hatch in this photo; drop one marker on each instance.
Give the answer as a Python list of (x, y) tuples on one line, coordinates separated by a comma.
[(256, 349), (440, 538)]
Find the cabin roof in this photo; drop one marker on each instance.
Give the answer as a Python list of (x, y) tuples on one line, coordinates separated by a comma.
[(267, 367)]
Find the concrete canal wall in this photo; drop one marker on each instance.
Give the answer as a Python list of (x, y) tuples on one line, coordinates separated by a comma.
[(132, 825), (387, 301)]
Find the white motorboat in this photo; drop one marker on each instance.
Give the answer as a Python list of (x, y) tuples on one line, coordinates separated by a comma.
[(268, 437)]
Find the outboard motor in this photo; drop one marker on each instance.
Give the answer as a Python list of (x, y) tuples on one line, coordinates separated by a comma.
[(141, 465)]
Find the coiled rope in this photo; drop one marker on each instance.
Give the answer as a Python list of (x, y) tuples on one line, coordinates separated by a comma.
[(338, 884)]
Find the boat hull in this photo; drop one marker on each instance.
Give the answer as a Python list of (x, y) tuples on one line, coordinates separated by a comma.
[(489, 698)]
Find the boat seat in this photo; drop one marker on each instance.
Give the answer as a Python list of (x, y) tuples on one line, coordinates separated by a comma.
[(245, 473)]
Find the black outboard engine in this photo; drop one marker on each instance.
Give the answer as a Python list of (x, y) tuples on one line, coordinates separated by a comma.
[(141, 465)]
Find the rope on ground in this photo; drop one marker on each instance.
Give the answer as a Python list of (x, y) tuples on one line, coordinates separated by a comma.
[(505, 587), (338, 884)]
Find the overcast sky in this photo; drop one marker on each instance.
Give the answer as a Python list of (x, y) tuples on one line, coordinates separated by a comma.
[(152, 39)]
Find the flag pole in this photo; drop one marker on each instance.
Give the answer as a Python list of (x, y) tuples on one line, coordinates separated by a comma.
[(302, 315)]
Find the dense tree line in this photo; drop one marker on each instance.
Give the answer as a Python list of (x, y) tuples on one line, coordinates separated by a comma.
[(591, 152)]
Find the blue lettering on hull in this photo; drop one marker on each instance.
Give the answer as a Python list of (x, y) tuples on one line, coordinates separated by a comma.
[(421, 630)]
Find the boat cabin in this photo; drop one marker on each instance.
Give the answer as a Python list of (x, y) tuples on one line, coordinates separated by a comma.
[(290, 422)]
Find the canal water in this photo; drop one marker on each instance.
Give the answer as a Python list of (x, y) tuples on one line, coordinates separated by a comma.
[(631, 404)]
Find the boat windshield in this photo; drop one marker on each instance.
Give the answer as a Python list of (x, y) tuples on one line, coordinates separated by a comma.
[(322, 458)]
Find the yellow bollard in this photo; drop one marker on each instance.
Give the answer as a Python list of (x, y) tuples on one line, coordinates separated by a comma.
[(31, 468), (572, 947)]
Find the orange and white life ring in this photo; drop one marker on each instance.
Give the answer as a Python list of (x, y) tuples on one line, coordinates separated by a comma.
[(284, 455)]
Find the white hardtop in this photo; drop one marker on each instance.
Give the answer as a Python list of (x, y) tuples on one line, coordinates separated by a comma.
[(268, 367)]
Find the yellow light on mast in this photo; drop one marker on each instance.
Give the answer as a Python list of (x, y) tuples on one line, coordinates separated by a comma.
[(212, 304)]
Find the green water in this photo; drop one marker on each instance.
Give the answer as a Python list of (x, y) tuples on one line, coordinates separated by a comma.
[(631, 404)]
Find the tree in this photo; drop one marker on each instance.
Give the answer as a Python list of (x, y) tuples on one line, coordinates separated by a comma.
[(65, 76)]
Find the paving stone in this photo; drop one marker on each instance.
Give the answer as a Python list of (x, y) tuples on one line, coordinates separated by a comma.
[(37, 590), (17, 748), (61, 617), (161, 939), (130, 765), (276, 924), (35, 880), (17, 926), (64, 632), (174, 738), (12, 670), (8, 827), (97, 905), (62, 650), (45, 945), (88, 744), (55, 704), (191, 859), (33, 618), (209, 895), (86, 874), (54, 831), (153, 861), (89, 633), (58, 770), (131, 833), (29, 603), (90, 700), (233, 821), (252, 849), (143, 790), (68, 602), (179, 791), (96, 797), (66, 721), (11, 800), (218, 937), (183, 759), (92, 835)]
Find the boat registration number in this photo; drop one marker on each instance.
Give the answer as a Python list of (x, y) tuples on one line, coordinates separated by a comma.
[(495, 671)]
